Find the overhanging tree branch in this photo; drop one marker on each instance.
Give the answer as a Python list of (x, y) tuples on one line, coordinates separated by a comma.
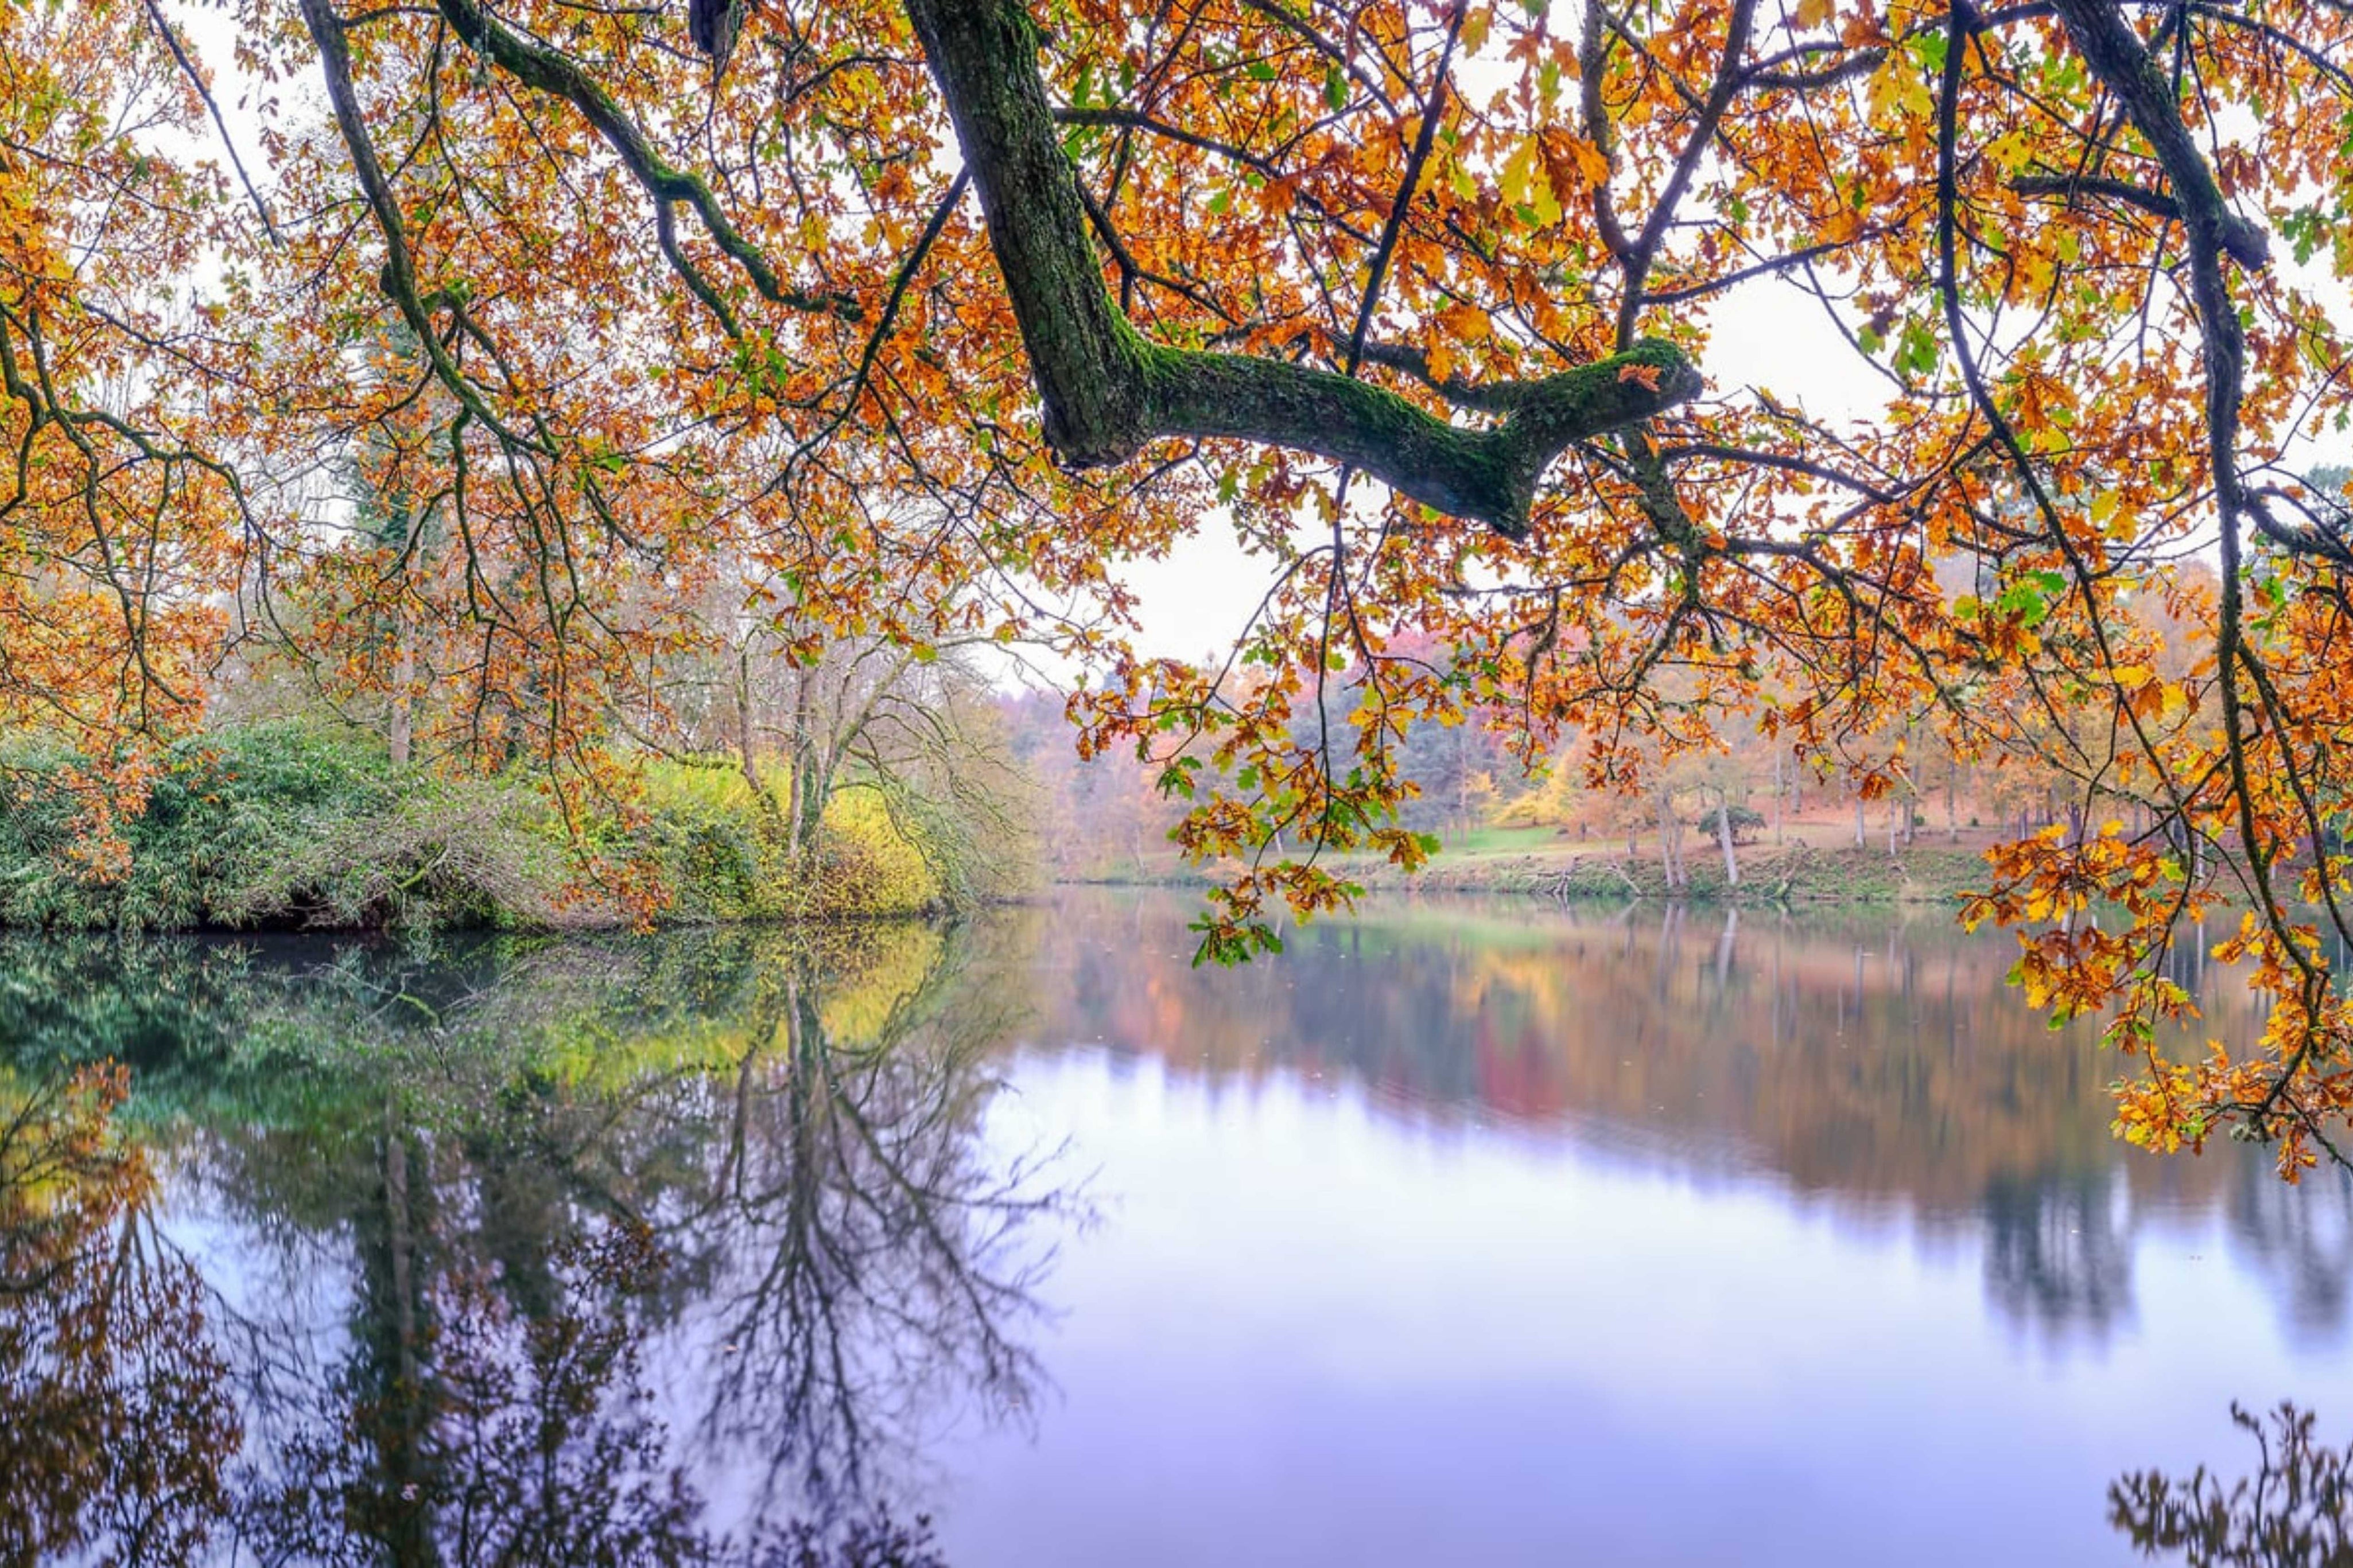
[(1108, 392), (544, 70), (2071, 186), (2117, 57)]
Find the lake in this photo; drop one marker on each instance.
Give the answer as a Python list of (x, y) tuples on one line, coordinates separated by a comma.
[(1481, 1232)]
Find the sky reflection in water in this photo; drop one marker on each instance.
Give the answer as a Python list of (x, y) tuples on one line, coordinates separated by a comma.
[(1460, 1232), (1460, 1235)]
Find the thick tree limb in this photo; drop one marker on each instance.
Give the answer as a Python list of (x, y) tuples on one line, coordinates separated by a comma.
[(1488, 475), (2117, 57), (1108, 392), (2071, 186)]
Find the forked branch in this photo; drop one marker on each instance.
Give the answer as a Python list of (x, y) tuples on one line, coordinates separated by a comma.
[(1108, 392)]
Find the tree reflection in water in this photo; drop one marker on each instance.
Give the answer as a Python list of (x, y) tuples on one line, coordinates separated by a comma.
[(2295, 1512), (2303, 1235), (618, 1251), (550, 1201), (2056, 1253), (117, 1422), (1879, 1064)]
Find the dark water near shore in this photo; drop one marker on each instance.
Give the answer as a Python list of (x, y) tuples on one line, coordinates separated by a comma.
[(1471, 1232)]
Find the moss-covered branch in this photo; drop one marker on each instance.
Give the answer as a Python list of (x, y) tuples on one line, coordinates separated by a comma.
[(2116, 55), (1107, 392), (1487, 474)]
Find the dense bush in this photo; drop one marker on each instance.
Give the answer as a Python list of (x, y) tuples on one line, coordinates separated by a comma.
[(721, 849), (274, 824), (291, 823), (1747, 824), (869, 859)]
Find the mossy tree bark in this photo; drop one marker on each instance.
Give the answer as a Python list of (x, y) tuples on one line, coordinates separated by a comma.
[(1107, 392)]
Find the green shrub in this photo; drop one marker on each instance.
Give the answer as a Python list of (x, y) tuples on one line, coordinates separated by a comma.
[(286, 823), (868, 863), (275, 823), (704, 830)]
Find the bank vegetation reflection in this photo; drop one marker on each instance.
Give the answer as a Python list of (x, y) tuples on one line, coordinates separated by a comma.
[(684, 1249), (603, 1253), (1881, 1068)]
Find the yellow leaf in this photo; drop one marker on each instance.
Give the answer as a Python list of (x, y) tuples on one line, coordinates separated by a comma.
[(1518, 169), (1526, 185), (1897, 92), (1475, 29), (1591, 159), (1468, 323), (1573, 158), (1440, 352), (2011, 153)]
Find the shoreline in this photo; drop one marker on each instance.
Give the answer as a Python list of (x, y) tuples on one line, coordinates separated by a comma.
[(1797, 873)]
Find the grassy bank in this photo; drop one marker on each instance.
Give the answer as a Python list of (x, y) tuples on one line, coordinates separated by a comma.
[(294, 824), (1795, 873)]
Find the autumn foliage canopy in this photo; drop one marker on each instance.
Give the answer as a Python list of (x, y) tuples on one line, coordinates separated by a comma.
[(503, 329)]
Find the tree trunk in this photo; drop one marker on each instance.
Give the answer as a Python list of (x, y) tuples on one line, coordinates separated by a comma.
[(1667, 858), (1777, 835), (1724, 837), (747, 756), (805, 800), (401, 737)]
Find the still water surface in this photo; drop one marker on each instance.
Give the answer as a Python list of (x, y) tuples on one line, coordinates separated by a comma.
[(1460, 1232)]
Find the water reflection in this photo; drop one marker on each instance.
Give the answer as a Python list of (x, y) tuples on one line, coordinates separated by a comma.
[(2306, 1243), (718, 1247), (118, 1423), (1883, 1069), (529, 1257), (2295, 1511), (2057, 1252)]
